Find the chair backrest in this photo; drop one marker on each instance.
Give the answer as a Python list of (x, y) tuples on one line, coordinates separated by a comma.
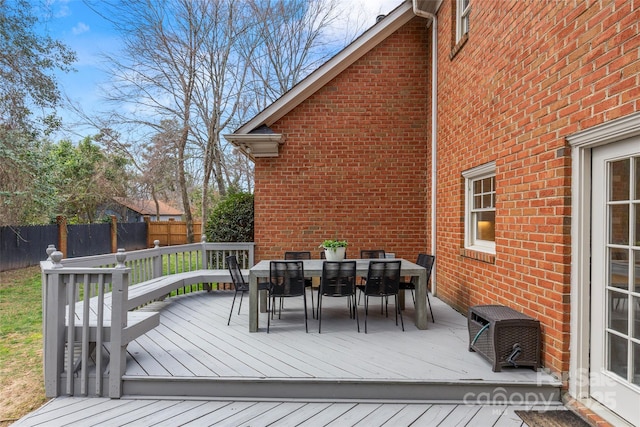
[(234, 270), (383, 278), (338, 278), (372, 253), (426, 261), (290, 255), (286, 278)]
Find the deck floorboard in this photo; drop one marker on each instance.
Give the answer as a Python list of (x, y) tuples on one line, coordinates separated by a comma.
[(193, 345)]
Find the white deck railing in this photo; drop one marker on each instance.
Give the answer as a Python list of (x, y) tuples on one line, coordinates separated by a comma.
[(84, 309)]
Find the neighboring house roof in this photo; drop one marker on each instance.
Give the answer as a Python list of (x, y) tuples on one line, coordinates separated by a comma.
[(330, 69), (148, 207)]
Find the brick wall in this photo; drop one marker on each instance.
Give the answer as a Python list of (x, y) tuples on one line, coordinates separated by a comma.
[(355, 164), (529, 75)]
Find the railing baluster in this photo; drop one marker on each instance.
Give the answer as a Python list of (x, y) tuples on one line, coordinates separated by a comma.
[(71, 338), (84, 359), (100, 320)]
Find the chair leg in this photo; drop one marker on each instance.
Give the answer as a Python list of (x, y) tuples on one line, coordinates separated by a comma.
[(399, 311), (355, 309), (271, 300), (366, 312), (232, 304), (240, 305), (319, 312), (304, 297), (433, 319)]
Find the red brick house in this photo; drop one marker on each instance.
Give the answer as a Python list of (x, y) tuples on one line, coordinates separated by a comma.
[(503, 137)]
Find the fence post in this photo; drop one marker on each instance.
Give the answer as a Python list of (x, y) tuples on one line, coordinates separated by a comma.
[(169, 231), (62, 234), (114, 233), (146, 221)]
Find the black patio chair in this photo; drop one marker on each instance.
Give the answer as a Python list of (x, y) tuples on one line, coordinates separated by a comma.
[(427, 262), (239, 283), (383, 280), (286, 279), (368, 254), (338, 280), (308, 282)]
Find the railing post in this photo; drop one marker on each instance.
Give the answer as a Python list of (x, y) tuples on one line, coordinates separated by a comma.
[(157, 260), (205, 255), (54, 341), (251, 255), (118, 356)]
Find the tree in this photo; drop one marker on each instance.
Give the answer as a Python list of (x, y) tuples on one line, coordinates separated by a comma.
[(86, 179), (188, 62), (27, 61)]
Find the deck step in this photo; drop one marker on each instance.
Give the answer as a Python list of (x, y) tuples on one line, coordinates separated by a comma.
[(472, 392)]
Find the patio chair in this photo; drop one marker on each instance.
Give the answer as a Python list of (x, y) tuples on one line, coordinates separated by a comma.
[(427, 262), (338, 280), (368, 254), (308, 283), (286, 279), (239, 283), (383, 280)]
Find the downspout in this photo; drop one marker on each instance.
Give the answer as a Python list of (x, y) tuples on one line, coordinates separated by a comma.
[(434, 126)]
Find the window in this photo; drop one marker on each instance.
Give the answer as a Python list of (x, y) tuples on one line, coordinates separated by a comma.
[(462, 18), (480, 213)]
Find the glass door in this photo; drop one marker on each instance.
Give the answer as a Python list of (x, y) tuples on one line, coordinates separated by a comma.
[(615, 278)]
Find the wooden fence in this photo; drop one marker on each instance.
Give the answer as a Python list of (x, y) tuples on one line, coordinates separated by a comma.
[(23, 246), (170, 233)]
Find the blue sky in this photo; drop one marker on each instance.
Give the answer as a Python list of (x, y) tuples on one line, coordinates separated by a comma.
[(89, 35)]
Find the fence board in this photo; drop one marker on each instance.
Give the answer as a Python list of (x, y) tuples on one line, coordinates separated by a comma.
[(24, 246), (132, 235), (171, 233)]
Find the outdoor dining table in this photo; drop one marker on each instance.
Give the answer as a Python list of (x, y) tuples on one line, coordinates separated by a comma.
[(313, 268)]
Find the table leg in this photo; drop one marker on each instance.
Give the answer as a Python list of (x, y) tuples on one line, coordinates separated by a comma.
[(421, 301)]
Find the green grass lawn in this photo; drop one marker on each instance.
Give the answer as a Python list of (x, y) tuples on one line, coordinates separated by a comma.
[(21, 376)]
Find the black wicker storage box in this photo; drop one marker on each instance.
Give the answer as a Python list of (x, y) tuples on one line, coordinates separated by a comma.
[(504, 336)]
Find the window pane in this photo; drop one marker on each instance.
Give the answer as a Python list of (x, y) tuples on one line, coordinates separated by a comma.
[(485, 226), (636, 364), (635, 304), (617, 349), (619, 224), (619, 268), (618, 314), (636, 208), (620, 180), (637, 180)]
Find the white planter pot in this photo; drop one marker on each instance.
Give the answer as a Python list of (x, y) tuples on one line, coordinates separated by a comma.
[(336, 254)]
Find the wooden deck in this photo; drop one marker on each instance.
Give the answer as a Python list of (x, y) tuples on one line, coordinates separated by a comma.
[(76, 411), (193, 365)]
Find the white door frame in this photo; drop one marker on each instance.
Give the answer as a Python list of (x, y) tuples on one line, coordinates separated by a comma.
[(581, 145)]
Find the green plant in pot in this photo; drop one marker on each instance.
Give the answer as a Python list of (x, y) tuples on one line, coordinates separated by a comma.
[(334, 250)]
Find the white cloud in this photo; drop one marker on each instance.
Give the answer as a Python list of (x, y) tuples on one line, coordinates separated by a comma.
[(80, 28)]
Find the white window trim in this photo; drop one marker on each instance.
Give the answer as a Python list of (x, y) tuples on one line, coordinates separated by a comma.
[(461, 16), (483, 171)]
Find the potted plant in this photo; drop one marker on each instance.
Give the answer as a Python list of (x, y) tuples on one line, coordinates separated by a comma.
[(334, 250)]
